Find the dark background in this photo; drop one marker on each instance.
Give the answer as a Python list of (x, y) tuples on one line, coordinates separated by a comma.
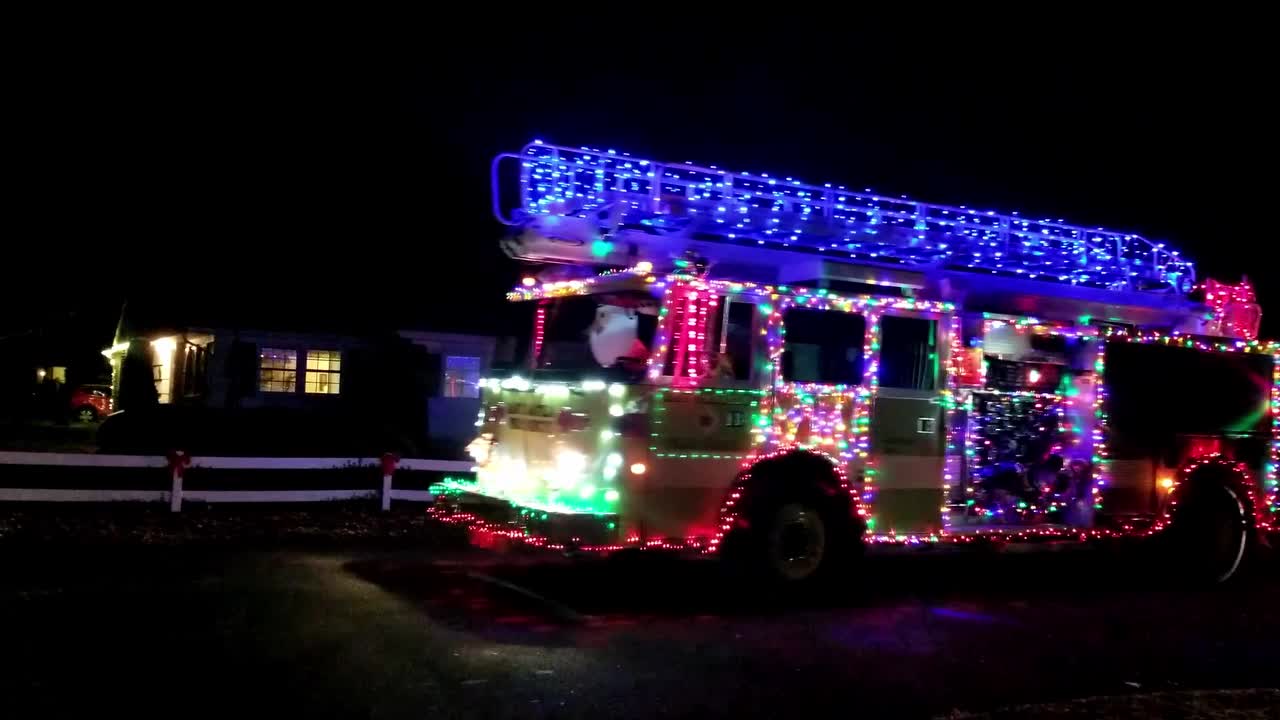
[(340, 172)]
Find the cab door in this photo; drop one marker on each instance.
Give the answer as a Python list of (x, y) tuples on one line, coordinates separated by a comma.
[(908, 444)]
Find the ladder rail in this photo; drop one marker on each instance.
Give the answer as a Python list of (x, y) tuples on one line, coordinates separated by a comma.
[(670, 197)]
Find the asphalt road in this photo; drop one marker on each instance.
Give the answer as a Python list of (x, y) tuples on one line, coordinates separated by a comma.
[(184, 632)]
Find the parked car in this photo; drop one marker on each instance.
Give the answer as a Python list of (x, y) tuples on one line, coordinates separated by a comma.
[(90, 403)]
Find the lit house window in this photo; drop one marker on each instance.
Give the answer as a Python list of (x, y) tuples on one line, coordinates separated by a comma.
[(277, 370), (461, 376), (162, 367), (324, 372), (160, 373)]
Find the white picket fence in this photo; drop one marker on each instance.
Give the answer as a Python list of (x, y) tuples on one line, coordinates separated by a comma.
[(11, 462)]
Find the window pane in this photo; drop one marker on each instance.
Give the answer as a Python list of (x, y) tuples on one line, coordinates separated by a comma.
[(322, 377), (590, 332), (731, 329), (823, 346), (1145, 410), (160, 373), (323, 360), (318, 383), (461, 376), (321, 383), (908, 353), (277, 370)]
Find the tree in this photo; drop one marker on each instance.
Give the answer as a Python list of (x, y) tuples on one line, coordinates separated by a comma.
[(137, 384)]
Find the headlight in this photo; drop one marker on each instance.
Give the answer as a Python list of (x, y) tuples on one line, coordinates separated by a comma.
[(479, 449), (571, 461)]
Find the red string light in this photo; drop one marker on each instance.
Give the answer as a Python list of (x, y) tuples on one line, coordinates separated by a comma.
[(539, 330), (1236, 313)]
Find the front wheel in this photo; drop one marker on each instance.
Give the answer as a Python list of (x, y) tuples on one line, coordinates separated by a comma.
[(792, 542), (796, 544)]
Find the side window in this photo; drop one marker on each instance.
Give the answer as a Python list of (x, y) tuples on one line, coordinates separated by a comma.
[(908, 353), (731, 340), (461, 376), (721, 346), (823, 346)]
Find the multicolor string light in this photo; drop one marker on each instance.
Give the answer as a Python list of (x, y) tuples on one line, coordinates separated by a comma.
[(1266, 510), (833, 420), (1234, 310)]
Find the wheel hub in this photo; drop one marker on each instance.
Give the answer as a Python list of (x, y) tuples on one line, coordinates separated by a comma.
[(798, 542)]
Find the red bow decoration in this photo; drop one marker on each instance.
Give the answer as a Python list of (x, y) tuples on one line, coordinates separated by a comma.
[(179, 461), (389, 462)]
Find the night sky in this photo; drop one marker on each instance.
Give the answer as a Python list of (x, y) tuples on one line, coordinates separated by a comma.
[(321, 172)]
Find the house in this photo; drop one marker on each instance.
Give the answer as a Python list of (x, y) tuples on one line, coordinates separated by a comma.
[(428, 380), (237, 367), (464, 360)]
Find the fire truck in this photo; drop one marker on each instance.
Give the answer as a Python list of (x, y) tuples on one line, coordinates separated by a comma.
[(786, 373)]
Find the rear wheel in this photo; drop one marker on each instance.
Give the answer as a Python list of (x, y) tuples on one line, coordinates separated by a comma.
[(1210, 533)]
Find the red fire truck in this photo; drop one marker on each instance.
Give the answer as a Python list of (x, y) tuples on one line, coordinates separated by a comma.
[(753, 366)]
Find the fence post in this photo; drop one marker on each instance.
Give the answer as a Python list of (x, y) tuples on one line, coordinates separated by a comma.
[(178, 462), (389, 462)]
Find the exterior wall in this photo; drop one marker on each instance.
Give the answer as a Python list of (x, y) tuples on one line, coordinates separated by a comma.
[(231, 386), (233, 373), (452, 419)]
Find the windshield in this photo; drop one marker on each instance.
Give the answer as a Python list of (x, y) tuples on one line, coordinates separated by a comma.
[(595, 332), (605, 335)]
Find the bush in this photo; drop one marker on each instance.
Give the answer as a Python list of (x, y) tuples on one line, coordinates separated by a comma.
[(137, 389)]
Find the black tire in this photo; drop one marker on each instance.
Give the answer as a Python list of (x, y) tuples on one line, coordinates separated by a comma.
[(1210, 538), (86, 414), (795, 541)]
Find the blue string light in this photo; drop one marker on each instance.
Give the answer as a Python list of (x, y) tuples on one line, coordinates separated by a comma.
[(758, 210)]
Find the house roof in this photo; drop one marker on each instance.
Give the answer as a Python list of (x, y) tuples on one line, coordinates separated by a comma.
[(262, 308), (248, 309)]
